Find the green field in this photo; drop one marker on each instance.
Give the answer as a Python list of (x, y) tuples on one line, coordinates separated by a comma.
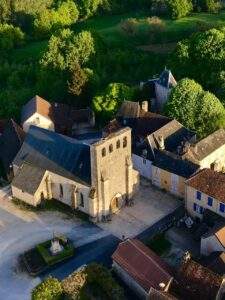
[(108, 27)]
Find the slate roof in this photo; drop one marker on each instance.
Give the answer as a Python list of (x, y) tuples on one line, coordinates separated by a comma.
[(208, 145), (174, 164), (28, 178), (129, 109), (166, 79), (142, 264), (173, 133), (57, 153), (36, 104), (209, 182), (10, 143), (197, 282)]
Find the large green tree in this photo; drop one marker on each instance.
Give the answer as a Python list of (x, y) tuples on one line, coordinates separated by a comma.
[(88, 7), (49, 289), (179, 8), (107, 103), (196, 109), (10, 37), (202, 57)]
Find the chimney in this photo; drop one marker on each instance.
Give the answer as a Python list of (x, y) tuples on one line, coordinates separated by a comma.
[(144, 106), (161, 142)]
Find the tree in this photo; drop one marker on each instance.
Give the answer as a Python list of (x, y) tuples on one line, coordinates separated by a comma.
[(78, 79), (66, 48), (196, 109), (88, 7), (107, 103), (211, 6), (201, 57), (49, 20), (5, 11), (10, 37), (49, 289), (179, 8)]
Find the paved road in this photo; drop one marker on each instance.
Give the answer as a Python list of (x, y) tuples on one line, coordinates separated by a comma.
[(99, 251)]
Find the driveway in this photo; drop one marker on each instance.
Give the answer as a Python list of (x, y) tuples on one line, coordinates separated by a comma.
[(21, 230), (150, 206)]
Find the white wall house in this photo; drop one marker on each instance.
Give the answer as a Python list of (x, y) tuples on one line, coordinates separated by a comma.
[(205, 190)]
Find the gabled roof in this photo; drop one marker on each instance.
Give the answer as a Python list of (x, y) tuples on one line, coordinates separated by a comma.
[(208, 145), (28, 178), (209, 182), (166, 79), (174, 164), (10, 143), (197, 282), (173, 134), (57, 153), (160, 295), (36, 104), (143, 265), (129, 109)]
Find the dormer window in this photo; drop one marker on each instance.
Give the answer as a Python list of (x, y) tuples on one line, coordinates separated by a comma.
[(37, 120)]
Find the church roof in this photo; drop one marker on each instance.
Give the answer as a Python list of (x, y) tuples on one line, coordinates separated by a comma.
[(28, 178), (57, 153), (129, 109)]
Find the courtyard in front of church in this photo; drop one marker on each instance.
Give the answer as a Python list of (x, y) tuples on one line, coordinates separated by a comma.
[(150, 206)]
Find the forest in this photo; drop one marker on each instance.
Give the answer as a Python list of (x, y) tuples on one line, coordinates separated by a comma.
[(96, 52)]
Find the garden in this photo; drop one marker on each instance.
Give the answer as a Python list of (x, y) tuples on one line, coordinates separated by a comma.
[(47, 254)]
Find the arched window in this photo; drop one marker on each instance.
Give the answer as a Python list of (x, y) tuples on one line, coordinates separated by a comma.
[(111, 148), (118, 144), (103, 152), (81, 200), (61, 190), (124, 142)]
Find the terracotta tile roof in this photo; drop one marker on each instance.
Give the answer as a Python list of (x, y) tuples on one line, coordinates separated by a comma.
[(36, 104), (197, 282), (209, 182), (146, 268), (129, 109), (160, 295)]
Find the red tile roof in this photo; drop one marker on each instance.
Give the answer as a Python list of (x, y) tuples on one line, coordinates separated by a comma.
[(209, 182), (143, 265)]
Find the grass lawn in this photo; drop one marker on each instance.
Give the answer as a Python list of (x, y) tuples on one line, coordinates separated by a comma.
[(108, 28), (50, 260), (159, 244)]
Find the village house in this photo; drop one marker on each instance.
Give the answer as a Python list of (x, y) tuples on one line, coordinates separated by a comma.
[(57, 117), (205, 191), (169, 172), (11, 140), (208, 152), (96, 178), (213, 241), (159, 89), (140, 268), (194, 281)]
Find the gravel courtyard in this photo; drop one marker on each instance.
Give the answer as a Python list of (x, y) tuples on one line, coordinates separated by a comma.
[(150, 206), (20, 230)]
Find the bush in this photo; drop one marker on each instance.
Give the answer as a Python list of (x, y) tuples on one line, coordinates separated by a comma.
[(49, 289), (10, 37), (129, 26)]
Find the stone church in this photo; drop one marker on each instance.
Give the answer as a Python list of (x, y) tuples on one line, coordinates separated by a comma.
[(93, 176)]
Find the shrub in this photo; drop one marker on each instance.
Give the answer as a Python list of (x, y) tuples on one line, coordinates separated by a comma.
[(129, 26), (49, 289)]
